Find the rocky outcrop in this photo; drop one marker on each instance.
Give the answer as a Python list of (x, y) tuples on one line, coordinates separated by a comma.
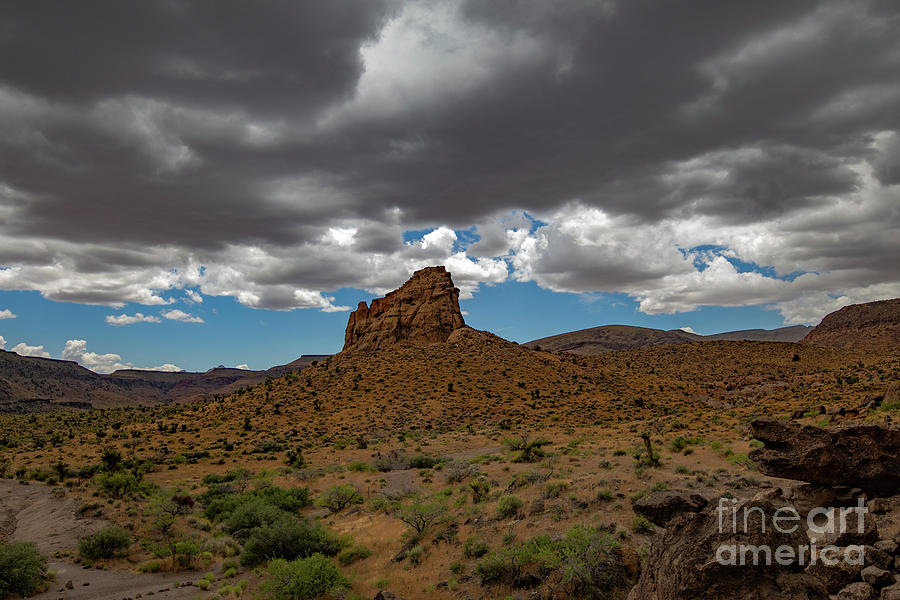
[(424, 311), (863, 456), (683, 563), (663, 506), (873, 324)]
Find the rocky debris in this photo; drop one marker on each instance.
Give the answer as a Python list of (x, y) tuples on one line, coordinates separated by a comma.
[(857, 591), (835, 576), (853, 534), (876, 576), (683, 565), (865, 456), (384, 595), (424, 310), (872, 324), (661, 507), (891, 592)]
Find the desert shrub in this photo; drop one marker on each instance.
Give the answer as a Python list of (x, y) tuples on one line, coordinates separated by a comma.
[(585, 563), (187, 550), (458, 471), (480, 489), (508, 506), (554, 488), (290, 538), (22, 569), (681, 442), (504, 566), (415, 554), (393, 460), (358, 466), (353, 554), (221, 502), (339, 497), (475, 548), (527, 451), (640, 524), (117, 484), (422, 461), (252, 515), (106, 543), (302, 579)]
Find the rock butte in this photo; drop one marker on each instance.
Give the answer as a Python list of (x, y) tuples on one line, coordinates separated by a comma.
[(423, 311)]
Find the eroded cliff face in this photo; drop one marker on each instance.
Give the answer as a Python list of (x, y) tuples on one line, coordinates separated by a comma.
[(424, 311), (869, 325)]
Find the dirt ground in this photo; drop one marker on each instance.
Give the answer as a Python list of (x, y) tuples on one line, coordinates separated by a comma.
[(29, 513)]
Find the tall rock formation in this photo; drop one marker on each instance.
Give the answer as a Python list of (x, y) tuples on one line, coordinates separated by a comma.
[(424, 311), (869, 325)]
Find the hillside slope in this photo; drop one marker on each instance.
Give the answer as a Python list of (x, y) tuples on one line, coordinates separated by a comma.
[(869, 325)]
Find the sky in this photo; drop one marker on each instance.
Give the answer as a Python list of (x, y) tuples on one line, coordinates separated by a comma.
[(187, 184)]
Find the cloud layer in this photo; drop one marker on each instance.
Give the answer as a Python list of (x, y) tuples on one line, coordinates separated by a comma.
[(276, 156)]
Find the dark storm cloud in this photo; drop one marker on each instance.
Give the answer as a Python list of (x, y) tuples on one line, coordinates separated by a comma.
[(203, 132)]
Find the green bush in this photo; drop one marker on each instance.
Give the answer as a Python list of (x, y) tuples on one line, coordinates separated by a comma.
[(22, 569), (586, 563), (351, 555), (220, 501), (252, 515), (302, 579), (422, 461), (640, 524), (106, 543), (475, 548), (290, 538), (508, 506)]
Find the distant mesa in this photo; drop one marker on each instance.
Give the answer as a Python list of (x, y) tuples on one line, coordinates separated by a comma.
[(868, 325), (423, 311), (608, 338)]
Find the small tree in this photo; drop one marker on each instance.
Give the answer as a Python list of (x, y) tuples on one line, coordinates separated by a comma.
[(421, 515), (339, 497)]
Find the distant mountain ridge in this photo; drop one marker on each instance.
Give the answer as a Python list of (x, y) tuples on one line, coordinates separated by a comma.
[(607, 338), (29, 383)]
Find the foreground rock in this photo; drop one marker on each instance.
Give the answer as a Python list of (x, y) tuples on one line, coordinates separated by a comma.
[(661, 507), (863, 456), (683, 563), (424, 310)]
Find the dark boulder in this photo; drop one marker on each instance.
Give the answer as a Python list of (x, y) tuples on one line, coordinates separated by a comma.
[(685, 561), (864, 456), (661, 507)]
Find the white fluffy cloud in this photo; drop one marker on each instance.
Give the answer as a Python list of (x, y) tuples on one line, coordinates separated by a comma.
[(24, 349), (179, 315), (2, 342), (123, 319), (7, 314), (76, 350)]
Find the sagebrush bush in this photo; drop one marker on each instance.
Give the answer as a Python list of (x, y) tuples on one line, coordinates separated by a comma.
[(508, 506), (351, 555), (105, 543), (302, 579), (22, 569), (290, 538)]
